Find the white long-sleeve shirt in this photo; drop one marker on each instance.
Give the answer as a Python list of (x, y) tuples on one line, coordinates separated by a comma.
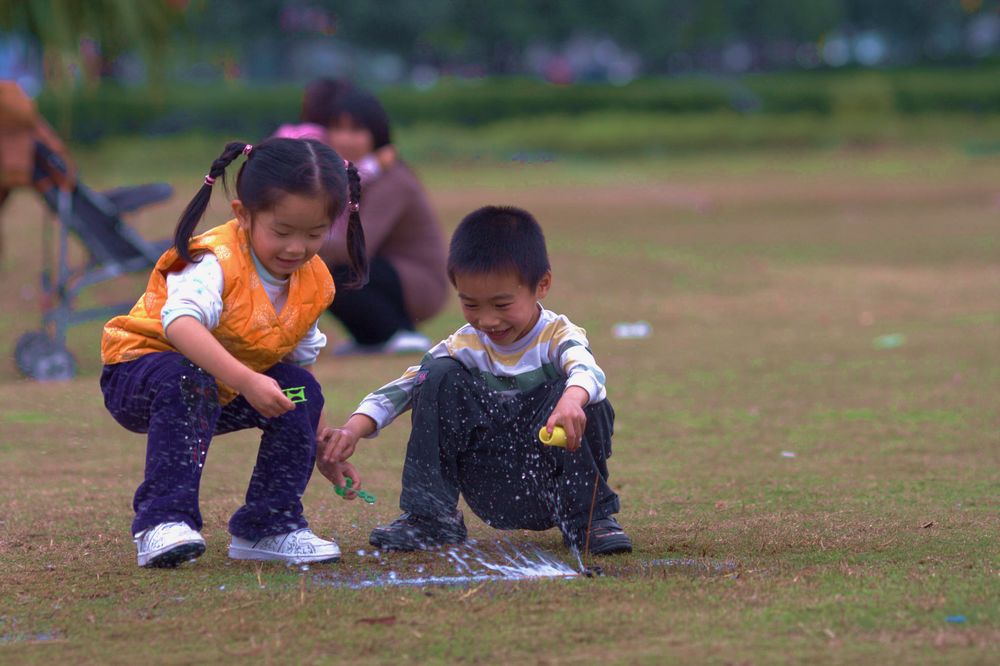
[(555, 347), (196, 291)]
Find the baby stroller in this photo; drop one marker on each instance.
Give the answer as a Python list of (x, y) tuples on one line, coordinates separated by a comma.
[(31, 154)]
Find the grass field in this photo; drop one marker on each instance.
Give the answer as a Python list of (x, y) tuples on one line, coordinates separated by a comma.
[(853, 489)]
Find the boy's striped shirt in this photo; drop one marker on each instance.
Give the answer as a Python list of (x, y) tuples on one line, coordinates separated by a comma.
[(555, 347)]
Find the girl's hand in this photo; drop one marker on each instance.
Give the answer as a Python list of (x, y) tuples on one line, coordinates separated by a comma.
[(569, 414), (264, 394), (336, 473)]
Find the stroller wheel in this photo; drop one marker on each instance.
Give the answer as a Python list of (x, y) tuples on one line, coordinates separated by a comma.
[(39, 357)]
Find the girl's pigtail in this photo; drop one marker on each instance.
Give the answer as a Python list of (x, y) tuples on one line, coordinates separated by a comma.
[(356, 253), (196, 207)]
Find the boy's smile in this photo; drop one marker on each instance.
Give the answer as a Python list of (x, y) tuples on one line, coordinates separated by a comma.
[(500, 304)]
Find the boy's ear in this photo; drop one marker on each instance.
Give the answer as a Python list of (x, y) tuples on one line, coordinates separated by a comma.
[(242, 214), (543, 286)]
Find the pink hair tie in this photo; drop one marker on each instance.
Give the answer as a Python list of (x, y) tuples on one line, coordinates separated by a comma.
[(353, 206), (209, 180), (346, 164), (247, 148)]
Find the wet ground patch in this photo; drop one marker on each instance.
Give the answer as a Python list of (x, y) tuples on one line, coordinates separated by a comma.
[(477, 562)]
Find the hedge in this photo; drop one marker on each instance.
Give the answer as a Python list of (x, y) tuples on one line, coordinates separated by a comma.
[(254, 112)]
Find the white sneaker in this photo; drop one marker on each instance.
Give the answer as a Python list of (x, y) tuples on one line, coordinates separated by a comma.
[(168, 544), (298, 547), (401, 342), (406, 342)]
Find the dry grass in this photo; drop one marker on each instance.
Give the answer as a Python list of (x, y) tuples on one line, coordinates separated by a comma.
[(765, 282)]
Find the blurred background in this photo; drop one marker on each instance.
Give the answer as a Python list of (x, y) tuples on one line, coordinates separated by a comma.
[(719, 139), (776, 219), (509, 79)]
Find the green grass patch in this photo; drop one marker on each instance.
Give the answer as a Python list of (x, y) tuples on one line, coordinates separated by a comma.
[(765, 277)]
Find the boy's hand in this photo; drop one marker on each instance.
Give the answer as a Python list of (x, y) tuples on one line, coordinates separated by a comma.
[(264, 394), (336, 472), (337, 444), (569, 414)]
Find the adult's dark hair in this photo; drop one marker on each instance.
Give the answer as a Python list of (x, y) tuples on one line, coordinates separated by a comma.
[(319, 99), (276, 168), (364, 109), (497, 239)]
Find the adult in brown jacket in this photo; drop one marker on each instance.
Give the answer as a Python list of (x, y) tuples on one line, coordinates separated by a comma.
[(406, 247)]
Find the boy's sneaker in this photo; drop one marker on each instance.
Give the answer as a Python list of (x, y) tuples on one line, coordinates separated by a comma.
[(298, 547), (168, 544), (413, 532), (606, 537)]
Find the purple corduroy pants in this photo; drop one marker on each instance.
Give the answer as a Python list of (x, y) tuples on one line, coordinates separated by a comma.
[(176, 404)]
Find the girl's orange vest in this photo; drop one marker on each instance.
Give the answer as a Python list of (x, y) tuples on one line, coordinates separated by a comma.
[(248, 327)]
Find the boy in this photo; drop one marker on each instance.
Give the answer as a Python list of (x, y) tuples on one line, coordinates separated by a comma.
[(480, 397)]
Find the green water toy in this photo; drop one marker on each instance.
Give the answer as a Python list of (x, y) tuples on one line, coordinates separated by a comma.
[(295, 393), (342, 491)]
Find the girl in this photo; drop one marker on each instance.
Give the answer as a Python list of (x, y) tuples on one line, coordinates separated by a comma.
[(223, 340)]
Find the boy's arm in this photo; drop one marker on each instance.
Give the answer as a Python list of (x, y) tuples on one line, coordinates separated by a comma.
[(383, 405), (584, 382), (198, 344), (376, 411), (574, 358), (569, 414)]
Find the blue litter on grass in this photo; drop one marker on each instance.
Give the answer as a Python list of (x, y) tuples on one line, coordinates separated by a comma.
[(889, 341), (41, 637), (955, 619)]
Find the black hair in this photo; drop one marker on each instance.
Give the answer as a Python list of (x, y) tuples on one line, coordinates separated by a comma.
[(278, 167), (496, 239), (365, 110), (319, 100)]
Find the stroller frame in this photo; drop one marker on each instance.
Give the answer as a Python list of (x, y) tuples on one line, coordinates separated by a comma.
[(114, 249)]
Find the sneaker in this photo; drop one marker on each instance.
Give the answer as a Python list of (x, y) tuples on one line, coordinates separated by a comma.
[(402, 342), (298, 547), (413, 532), (406, 342), (168, 544), (606, 537)]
